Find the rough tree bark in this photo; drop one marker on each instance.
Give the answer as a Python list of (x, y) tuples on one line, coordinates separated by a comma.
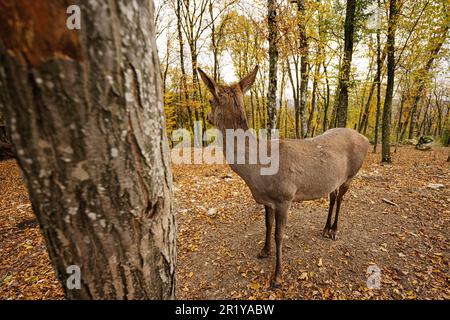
[(86, 118), (387, 108), (273, 62), (344, 74)]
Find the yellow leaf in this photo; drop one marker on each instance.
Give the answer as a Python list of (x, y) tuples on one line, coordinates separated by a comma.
[(303, 276), (7, 279), (319, 264), (254, 286)]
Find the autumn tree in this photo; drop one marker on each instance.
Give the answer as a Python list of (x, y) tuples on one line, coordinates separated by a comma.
[(88, 128), (273, 63), (316, 79), (344, 75), (387, 108), (378, 77), (434, 47), (301, 11)]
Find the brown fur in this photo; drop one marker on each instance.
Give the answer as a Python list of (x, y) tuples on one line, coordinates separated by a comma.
[(308, 169)]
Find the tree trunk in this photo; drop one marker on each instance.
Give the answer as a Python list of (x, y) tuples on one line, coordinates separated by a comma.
[(273, 61), (182, 66), (313, 100), (399, 123), (327, 100), (88, 127), (214, 44), (295, 91), (303, 66), (387, 108), (378, 83), (197, 95), (344, 76), (282, 86)]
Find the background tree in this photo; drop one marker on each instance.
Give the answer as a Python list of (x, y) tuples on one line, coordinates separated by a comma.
[(273, 63), (301, 12), (312, 38), (89, 133), (378, 76), (387, 108), (434, 47), (344, 76)]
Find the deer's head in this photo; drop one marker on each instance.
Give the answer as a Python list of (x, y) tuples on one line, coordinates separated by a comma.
[(227, 102)]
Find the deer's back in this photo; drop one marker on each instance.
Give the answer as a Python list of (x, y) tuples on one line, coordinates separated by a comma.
[(313, 168)]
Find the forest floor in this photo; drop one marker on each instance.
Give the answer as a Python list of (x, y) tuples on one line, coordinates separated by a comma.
[(395, 217)]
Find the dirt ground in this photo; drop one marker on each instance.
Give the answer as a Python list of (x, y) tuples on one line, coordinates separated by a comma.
[(394, 217)]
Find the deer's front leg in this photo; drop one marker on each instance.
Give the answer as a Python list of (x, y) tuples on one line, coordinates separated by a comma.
[(270, 218), (281, 214)]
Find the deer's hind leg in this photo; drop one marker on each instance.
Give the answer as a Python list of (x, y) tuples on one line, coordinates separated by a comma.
[(327, 229), (342, 190), (270, 218)]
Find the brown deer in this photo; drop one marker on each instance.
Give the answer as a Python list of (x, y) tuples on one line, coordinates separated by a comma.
[(308, 168)]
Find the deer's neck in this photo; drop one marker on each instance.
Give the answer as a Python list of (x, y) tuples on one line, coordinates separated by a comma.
[(240, 144)]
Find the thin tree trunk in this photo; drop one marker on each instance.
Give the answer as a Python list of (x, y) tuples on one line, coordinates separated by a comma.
[(253, 109), (282, 85), (399, 123), (378, 83), (344, 77), (313, 99), (362, 124), (295, 91), (422, 127), (327, 101), (303, 66), (387, 108), (89, 131), (215, 49), (182, 66), (273, 62)]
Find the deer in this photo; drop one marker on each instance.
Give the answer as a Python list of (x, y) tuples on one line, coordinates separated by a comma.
[(310, 168)]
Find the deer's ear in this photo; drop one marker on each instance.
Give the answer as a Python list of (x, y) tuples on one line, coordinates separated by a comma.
[(248, 80), (209, 83)]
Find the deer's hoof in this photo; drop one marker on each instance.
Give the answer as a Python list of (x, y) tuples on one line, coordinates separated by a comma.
[(333, 234), (263, 254), (326, 233), (276, 281)]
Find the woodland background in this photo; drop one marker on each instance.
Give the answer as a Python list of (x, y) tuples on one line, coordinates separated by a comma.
[(307, 45)]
